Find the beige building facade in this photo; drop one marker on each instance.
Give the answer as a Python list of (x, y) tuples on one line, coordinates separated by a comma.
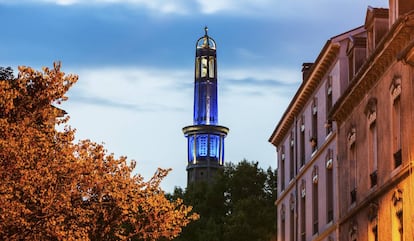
[(345, 143)]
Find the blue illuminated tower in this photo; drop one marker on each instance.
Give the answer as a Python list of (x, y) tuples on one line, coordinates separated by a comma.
[(205, 138)]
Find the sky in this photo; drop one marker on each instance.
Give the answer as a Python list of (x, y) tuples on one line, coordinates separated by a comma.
[(135, 61)]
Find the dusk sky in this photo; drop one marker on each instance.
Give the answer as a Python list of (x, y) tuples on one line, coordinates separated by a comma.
[(135, 61)]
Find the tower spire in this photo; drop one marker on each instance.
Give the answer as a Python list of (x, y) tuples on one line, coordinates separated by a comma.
[(205, 137)]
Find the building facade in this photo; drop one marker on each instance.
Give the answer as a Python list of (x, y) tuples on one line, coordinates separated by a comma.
[(375, 132), (205, 138), (344, 143)]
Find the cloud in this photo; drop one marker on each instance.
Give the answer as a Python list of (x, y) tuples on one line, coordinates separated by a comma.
[(259, 81), (235, 6), (161, 6), (152, 89), (139, 110), (135, 89), (271, 9)]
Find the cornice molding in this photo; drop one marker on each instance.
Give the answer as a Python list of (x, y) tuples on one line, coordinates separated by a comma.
[(307, 88), (373, 69)]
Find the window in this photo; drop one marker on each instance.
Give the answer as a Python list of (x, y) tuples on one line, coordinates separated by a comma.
[(197, 67), (373, 152), (191, 150), (303, 211), (283, 218), (214, 146), (202, 145), (329, 185), (211, 67), (204, 66), (350, 65), (292, 225), (302, 142), (292, 217), (329, 102), (371, 114), (396, 127), (315, 199), (291, 156), (282, 168), (314, 137), (395, 90), (352, 164)]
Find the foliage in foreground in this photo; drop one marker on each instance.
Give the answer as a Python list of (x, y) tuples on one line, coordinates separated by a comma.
[(237, 205), (54, 189)]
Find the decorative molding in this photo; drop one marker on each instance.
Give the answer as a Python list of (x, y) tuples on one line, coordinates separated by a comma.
[(374, 68), (303, 188), (314, 110), (353, 230), (373, 211), (397, 199), (318, 70), (372, 117), (315, 105), (282, 152), (315, 175), (395, 87), (315, 179), (396, 92), (371, 110), (329, 163), (329, 159), (292, 202), (351, 136)]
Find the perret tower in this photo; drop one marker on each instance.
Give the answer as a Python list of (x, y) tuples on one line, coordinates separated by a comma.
[(205, 138)]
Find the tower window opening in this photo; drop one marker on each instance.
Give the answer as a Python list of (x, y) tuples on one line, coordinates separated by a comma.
[(202, 145), (197, 68), (203, 66), (214, 140), (211, 67)]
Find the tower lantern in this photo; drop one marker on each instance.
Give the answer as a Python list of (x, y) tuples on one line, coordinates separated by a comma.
[(205, 139)]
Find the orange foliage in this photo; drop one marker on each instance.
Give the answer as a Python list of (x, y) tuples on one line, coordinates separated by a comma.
[(54, 189)]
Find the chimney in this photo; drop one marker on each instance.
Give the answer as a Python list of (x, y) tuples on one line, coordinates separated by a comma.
[(305, 70), (399, 8)]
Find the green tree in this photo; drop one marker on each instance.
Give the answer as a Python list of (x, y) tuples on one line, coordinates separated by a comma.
[(237, 205)]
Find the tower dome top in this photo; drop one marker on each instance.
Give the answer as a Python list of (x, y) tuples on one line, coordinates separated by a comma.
[(206, 42)]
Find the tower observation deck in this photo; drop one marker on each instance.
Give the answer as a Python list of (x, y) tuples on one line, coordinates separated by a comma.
[(205, 138)]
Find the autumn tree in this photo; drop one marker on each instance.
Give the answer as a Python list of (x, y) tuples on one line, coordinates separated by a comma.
[(52, 188)]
